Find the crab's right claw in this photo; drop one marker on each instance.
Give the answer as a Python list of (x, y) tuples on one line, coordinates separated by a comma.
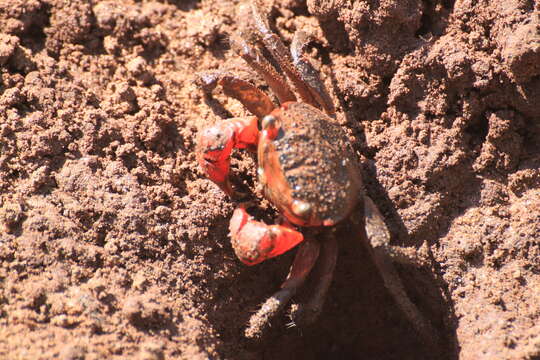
[(214, 147)]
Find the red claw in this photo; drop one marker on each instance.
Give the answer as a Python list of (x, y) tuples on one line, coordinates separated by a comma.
[(215, 145), (254, 241)]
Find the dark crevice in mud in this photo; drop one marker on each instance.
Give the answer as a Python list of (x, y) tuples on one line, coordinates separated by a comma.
[(185, 5), (34, 37), (477, 131), (434, 19)]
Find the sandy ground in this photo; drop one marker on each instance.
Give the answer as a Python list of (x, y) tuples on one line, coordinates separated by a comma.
[(113, 245)]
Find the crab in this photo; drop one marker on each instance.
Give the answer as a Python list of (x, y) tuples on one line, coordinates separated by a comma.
[(307, 170)]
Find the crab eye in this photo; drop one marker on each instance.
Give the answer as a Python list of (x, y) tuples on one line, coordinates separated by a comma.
[(268, 122), (302, 209)]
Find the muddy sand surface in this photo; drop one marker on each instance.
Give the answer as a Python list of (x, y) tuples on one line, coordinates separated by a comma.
[(114, 246)]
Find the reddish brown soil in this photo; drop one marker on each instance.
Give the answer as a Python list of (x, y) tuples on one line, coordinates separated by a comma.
[(112, 245)]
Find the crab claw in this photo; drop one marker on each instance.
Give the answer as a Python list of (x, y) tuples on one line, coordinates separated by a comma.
[(254, 241), (215, 144), (213, 155)]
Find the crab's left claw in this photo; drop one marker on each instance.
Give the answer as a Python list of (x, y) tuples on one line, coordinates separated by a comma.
[(254, 241)]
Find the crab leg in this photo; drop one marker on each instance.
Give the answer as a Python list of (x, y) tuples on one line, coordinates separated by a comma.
[(277, 83), (215, 145), (255, 100), (304, 260), (298, 72), (307, 313), (308, 74), (378, 243)]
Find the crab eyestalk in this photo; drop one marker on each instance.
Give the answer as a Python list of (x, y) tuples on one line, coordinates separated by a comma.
[(270, 126)]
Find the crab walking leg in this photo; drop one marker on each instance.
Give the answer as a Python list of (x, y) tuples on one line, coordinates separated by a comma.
[(255, 100), (279, 51), (308, 74), (307, 313), (277, 83), (378, 243), (304, 260), (254, 241), (215, 144)]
